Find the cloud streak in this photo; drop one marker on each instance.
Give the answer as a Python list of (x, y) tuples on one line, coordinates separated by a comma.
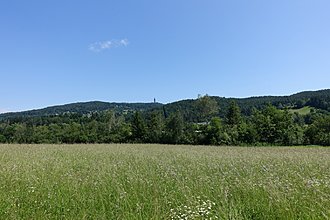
[(106, 45)]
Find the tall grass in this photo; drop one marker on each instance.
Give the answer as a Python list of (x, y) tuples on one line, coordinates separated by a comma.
[(163, 182)]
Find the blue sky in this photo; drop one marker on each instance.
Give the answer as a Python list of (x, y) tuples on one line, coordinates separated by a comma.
[(56, 52)]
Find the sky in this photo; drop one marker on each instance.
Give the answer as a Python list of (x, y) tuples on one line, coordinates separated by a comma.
[(57, 52)]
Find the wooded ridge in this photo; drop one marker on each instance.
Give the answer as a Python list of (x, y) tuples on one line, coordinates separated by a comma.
[(299, 119), (318, 99)]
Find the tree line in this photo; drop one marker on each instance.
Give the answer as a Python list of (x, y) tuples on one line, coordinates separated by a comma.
[(267, 126)]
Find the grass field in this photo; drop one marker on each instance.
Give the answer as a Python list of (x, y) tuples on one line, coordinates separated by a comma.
[(302, 111), (163, 182)]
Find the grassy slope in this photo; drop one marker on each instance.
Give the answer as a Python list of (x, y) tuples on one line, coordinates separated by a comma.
[(163, 182), (302, 111)]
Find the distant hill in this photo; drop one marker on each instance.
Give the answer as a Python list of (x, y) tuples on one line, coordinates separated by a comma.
[(316, 99), (83, 108)]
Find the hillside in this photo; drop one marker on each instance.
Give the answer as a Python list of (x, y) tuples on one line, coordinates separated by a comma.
[(191, 121), (316, 99), (83, 108)]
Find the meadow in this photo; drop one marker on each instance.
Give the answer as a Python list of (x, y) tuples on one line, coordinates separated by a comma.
[(132, 181)]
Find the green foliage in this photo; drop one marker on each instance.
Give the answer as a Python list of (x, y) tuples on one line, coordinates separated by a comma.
[(268, 126), (156, 127), (233, 117), (319, 131), (84, 108), (247, 133), (206, 107), (199, 110), (193, 122), (215, 134), (294, 135), (272, 125), (174, 129), (139, 128), (317, 99)]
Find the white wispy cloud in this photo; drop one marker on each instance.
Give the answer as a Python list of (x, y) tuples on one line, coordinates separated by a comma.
[(106, 45)]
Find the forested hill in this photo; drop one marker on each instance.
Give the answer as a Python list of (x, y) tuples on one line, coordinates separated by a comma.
[(300, 119), (191, 109), (83, 108)]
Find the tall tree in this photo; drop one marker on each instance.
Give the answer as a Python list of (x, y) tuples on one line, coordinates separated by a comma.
[(233, 116), (174, 128), (139, 128), (319, 131), (273, 125), (215, 132), (155, 127), (206, 108)]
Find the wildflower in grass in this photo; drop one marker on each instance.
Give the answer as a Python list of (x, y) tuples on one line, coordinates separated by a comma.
[(198, 209)]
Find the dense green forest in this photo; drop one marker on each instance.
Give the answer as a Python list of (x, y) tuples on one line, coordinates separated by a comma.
[(83, 108), (189, 109), (205, 120)]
